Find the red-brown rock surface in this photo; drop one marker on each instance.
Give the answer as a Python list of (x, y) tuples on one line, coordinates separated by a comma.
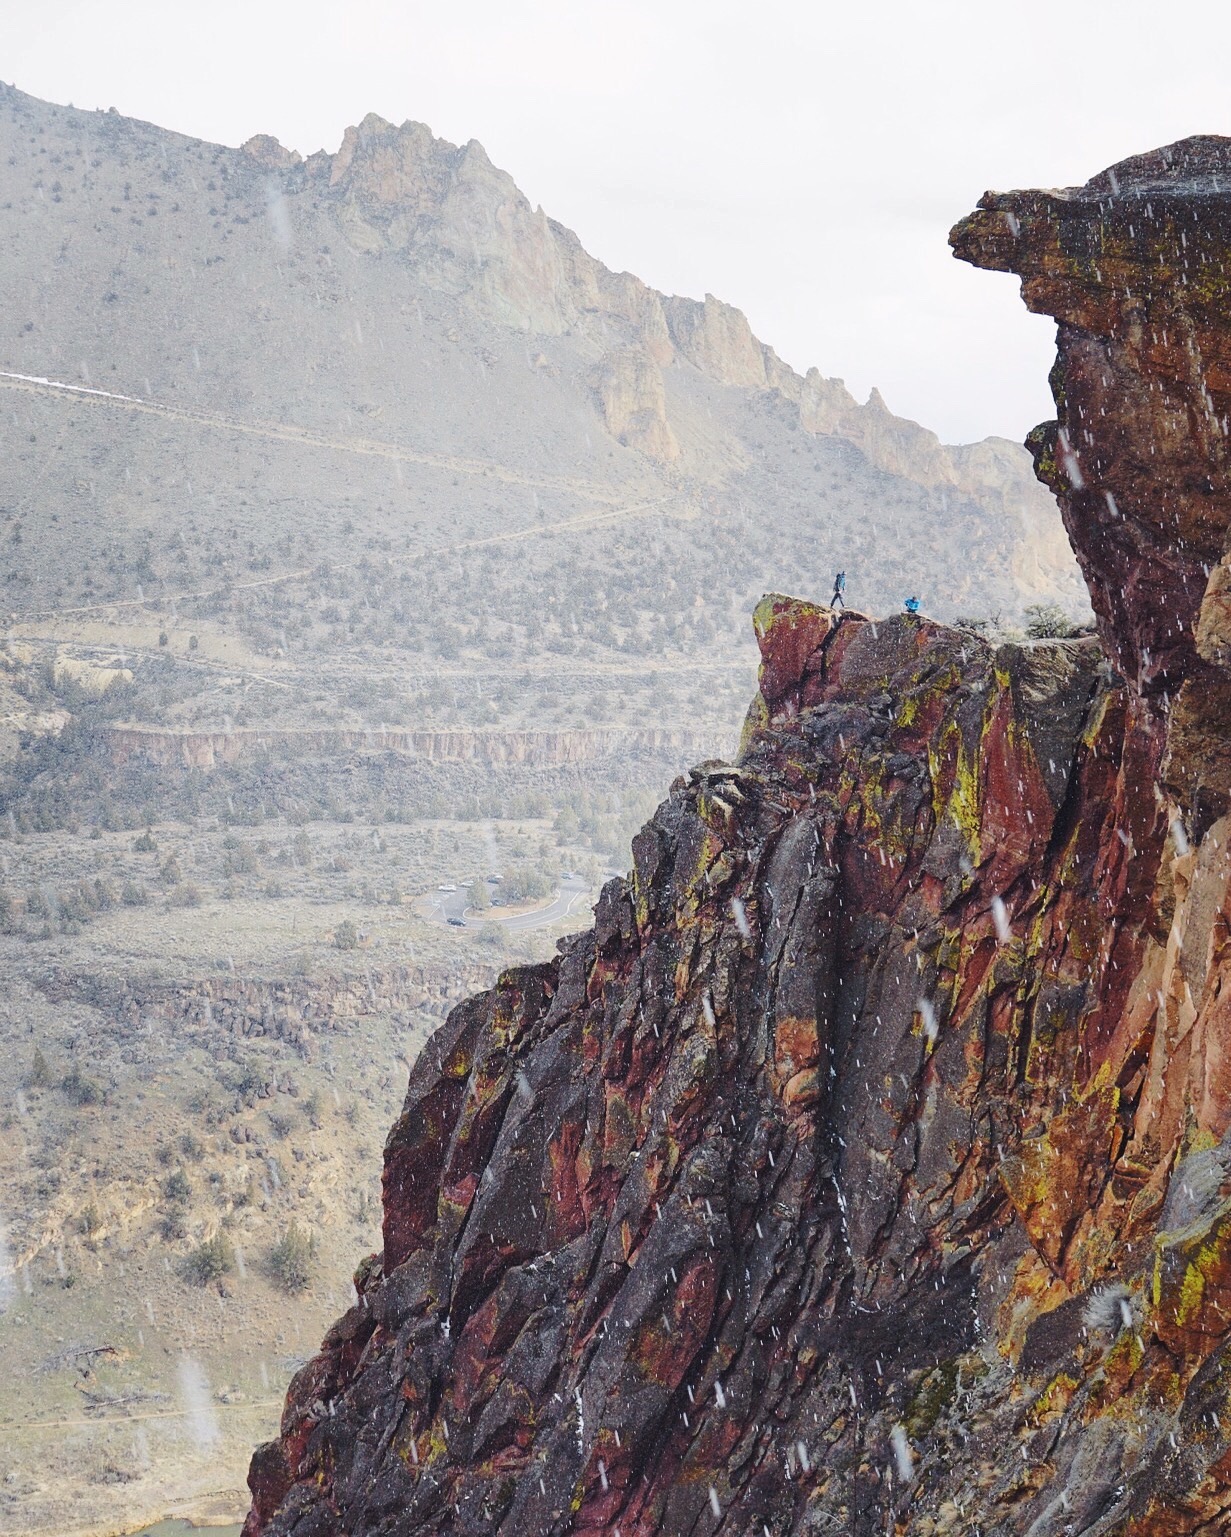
[(866, 1167)]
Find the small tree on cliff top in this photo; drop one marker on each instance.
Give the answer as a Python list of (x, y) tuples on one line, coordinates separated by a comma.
[(1048, 621)]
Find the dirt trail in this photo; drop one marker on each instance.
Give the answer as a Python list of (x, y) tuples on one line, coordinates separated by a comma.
[(527, 531), (284, 432), (99, 1420)]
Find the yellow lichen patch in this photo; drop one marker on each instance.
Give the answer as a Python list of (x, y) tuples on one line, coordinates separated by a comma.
[(1034, 1291), (692, 880), (1110, 1385), (956, 789), (1123, 1359), (756, 720), (1191, 1290), (1054, 1179), (1199, 1140), (1053, 1400)]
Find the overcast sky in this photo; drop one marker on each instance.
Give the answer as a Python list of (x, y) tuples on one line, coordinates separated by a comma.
[(799, 159)]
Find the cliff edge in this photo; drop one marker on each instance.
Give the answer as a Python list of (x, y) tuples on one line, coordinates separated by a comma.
[(867, 1166)]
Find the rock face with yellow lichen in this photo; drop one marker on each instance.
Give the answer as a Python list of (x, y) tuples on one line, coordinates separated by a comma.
[(867, 1167)]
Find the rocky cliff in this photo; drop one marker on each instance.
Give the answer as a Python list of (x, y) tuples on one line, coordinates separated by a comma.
[(867, 1166)]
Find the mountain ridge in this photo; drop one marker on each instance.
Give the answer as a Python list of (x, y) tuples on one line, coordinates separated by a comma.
[(468, 230)]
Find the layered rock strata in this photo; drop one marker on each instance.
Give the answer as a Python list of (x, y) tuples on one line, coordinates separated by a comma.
[(287, 1009), (169, 747), (867, 1167)]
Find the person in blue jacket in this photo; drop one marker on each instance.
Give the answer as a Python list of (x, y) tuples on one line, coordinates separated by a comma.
[(839, 587), (912, 605)]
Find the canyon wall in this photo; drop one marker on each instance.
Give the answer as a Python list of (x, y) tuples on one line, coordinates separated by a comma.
[(285, 1008), (168, 747), (867, 1166)]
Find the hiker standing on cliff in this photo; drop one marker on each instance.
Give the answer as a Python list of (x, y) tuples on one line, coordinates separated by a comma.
[(839, 587)]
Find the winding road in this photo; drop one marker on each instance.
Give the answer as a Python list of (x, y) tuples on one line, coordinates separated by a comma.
[(444, 906)]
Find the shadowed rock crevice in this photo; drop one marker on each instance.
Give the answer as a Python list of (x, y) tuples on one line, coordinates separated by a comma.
[(865, 1168)]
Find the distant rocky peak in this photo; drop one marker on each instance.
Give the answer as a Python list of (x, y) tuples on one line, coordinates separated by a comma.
[(267, 151), (404, 165)]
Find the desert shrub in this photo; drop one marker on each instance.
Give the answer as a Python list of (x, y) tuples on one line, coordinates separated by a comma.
[(282, 1124), (185, 895), (170, 874), (174, 1224), (251, 1082), (345, 936), (292, 1258), (90, 1220), (80, 1089), (209, 1261), (239, 858), (177, 1188), (133, 895), (145, 843), (1048, 621), (40, 1072)]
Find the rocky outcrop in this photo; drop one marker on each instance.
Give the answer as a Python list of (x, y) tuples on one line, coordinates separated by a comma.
[(630, 390), (867, 1166), (92, 680), (1133, 267)]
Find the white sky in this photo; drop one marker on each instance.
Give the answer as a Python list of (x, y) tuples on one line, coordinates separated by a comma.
[(799, 159)]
